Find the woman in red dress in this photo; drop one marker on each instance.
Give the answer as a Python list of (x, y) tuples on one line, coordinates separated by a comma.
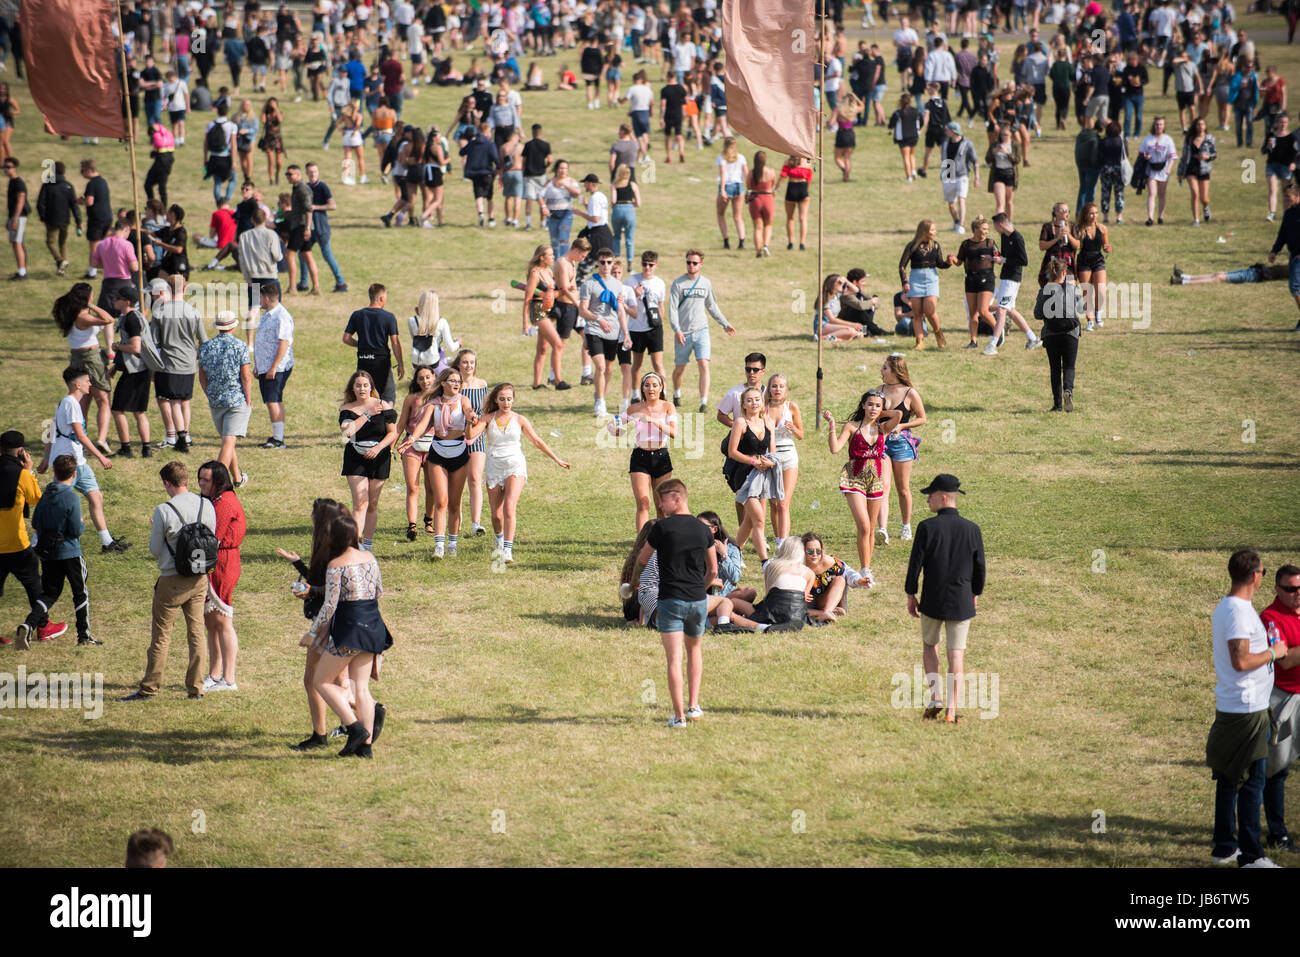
[(219, 611)]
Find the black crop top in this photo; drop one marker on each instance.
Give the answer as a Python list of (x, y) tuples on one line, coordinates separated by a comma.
[(914, 257)]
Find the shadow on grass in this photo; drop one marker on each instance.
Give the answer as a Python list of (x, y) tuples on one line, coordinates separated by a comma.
[(792, 712), (580, 620), (168, 746), (518, 714), (1044, 838)]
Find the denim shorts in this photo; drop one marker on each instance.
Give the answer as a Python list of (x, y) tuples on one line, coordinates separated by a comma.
[(86, 481), (878, 92), (640, 122), (1281, 171), (1295, 276), (677, 614), (731, 190), (899, 449), (698, 342)]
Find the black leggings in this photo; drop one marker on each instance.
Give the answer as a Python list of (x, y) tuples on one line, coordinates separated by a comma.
[(158, 174), (966, 104), (1061, 353), (1062, 99)]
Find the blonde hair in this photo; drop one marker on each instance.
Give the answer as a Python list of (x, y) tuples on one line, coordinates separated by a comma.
[(426, 314), (622, 176), (788, 559), (729, 151)]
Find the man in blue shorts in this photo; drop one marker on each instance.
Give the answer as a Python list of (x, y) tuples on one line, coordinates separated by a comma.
[(689, 298)]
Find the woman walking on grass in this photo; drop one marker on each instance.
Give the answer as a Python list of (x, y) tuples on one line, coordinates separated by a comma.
[(760, 475), (783, 415), (369, 424), (900, 446), (219, 609), (507, 469), (446, 417), (655, 422), (414, 405), (918, 269)]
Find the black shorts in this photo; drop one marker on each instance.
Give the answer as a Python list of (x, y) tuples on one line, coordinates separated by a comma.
[(845, 140), (298, 242), (449, 465), (432, 175), (598, 347), (1004, 176), (566, 317), (910, 141), (1185, 100), (982, 281), (673, 127), (177, 386), (501, 135), (1089, 262), (653, 462), (482, 186), (591, 81), (934, 137), (132, 392), (1203, 177), (652, 340), (1040, 93), (219, 168), (95, 231), (796, 191)]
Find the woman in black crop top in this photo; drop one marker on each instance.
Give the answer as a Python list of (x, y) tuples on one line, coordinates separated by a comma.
[(370, 426), (1090, 262), (917, 268), (979, 254)]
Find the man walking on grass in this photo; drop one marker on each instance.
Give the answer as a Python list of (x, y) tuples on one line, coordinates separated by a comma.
[(689, 299), (687, 563)]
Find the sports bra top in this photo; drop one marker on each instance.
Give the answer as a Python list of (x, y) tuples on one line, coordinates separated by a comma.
[(902, 407), (444, 421)]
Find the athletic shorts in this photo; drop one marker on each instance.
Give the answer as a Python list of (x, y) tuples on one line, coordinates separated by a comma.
[(1185, 100), (1005, 297), (132, 392), (16, 235), (652, 340), (606, 347), (1040, 93), (533, 186), (482, 186), (177, 386), (177, 116), (566, 317), (231, 421), (272, 390), (673, 127), (696, 342), (955, 189), (95, 230), (677, 614), (955, 632), (655, 463)]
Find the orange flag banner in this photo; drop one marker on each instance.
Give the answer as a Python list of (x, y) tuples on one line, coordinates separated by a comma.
[(73, 65), (771, 47)]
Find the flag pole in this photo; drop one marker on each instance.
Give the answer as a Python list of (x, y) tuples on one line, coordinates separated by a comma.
[(820, 73), (130, 141)]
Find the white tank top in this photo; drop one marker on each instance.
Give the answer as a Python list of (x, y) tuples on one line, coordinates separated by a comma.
[(83, 338), (782, 437), (503, 442)]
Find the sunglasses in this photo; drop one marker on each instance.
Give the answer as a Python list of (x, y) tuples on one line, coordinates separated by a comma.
[(693, 262), (1289, 589), (753, 368), (813, 551), (606, 262)]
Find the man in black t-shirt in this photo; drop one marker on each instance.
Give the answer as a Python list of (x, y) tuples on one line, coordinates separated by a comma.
[(151, 81), (672, 99), (373, 333), (16, 217), (537, 160), (99, 209), (1015, 259), (687, 563)]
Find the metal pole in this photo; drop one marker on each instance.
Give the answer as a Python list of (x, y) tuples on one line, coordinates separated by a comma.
[(130, 141)]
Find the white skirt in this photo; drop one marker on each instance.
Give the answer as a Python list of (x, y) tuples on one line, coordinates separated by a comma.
[(498, 468)]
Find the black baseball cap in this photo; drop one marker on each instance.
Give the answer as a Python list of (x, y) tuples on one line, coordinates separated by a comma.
[(13, 439), (126, 294), (943, 482), (591, 178)]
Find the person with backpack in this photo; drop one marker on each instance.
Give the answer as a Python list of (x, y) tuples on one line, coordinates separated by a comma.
[(184, 540), (58, 526), (1057, 307), (218, 152)]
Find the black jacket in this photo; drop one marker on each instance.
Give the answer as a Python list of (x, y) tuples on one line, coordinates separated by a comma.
[(950, 550), (56, 203), (1288, 232)]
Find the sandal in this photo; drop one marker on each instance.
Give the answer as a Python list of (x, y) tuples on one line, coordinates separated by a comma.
[(932, 711), (410, 531), (428, 524), (952, 719)]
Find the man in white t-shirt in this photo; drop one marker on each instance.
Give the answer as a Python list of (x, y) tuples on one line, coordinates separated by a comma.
[(905, 41), (70, 438), (1237, 748), (640, 98), (597, 231), (645, 316)]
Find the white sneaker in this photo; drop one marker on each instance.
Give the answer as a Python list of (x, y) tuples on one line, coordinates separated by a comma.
[(439, 550), (882, 536), (598, 408), (224, 685), (675, 722), (452, 549), (865, 575), (1090, 327), (1033, 343), (364, 180), (209, 683), (991, 349), (1261, 862), (1230, 859), (696, 713), (1100, 322), (906, 534), (960, 230), (508, 555)]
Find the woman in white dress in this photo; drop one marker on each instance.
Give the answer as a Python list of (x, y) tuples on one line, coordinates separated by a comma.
[(1162, 159), (506, 470), (787, 426)]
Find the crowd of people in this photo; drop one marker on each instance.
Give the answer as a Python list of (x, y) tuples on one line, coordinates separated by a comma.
[(455, 431)]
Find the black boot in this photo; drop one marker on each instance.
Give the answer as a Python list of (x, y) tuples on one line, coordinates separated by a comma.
[(315, 741), (357, 735), (380, 713)]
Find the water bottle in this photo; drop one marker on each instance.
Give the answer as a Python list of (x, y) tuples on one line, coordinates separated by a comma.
[(1273, 635)]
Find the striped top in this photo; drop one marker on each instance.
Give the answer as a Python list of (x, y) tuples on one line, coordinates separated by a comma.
[(476, 397)]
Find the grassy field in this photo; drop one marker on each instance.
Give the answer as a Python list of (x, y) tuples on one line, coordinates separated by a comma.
[(526, 722)]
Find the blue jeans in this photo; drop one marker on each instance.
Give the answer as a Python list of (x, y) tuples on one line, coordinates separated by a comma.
[(1132, 114), (1236, 816), (1246, 115), (1275, 804), (1087, 186), (558, 225), (326, 255), (152, 111), (622, 219)]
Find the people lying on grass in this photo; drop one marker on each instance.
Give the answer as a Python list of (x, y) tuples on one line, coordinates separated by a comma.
[(788, 583), (832, 579), (721, 611), (730, 566)]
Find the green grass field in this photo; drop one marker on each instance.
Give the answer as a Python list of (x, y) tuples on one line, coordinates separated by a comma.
[(526, 722)]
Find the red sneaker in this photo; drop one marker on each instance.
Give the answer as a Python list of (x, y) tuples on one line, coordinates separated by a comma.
[(51, 629)]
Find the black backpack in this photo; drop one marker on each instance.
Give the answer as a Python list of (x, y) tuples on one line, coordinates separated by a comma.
[(216, 139), (196, 542)]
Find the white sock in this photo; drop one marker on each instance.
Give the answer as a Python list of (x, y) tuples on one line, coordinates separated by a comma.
[(724, 620), (508, 545), (500, 539), (453, 540), (92, 271), (277, 430), (586, 370), (677, 393), (763, 626), (438, 540), (105, 537), (528, 220), (23, 271)]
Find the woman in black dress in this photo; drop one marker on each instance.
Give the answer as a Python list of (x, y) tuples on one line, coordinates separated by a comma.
[(1090, 263), (370, 426), (979, 255)]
